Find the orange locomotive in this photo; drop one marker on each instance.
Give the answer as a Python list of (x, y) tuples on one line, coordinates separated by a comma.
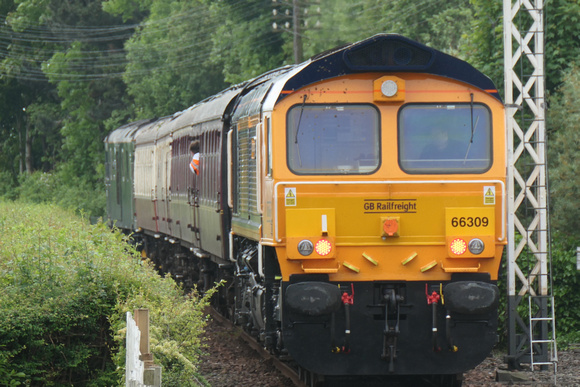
[(355, 205)]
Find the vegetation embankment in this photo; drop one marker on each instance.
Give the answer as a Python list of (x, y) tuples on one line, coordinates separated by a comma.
[(66, 287)]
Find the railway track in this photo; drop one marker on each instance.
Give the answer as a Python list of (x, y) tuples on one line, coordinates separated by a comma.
[(287, 371)]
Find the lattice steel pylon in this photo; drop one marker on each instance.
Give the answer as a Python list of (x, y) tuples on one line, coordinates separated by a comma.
[(528, 254)]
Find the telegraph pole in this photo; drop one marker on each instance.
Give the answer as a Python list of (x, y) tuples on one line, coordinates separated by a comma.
[(292, 17), (296, 31)]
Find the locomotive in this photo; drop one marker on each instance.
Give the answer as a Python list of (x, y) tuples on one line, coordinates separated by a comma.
[(354, 205)]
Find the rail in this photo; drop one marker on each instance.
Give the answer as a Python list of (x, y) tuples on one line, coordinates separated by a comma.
[(284, 368)]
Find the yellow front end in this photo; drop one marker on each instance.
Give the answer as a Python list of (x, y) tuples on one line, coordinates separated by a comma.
[(390, 231), (392, 222)]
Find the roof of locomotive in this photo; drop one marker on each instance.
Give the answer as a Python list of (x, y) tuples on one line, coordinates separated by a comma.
[(386, 53), (383, 53)]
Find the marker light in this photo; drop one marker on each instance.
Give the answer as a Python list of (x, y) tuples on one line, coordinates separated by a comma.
[(476, 246), (305, 247), (458, 246), (323, 247)]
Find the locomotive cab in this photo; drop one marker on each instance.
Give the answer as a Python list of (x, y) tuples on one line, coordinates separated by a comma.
[(383, 195)]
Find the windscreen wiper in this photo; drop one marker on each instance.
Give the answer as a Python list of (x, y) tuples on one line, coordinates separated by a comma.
[(473, 127), (298, 128)]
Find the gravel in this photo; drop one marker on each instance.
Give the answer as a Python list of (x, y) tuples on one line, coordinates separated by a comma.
[(568, 373), (231, 362)]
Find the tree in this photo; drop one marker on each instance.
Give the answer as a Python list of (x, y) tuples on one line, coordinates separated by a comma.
[(484, 48), (25, 88), (439, 24), (66, 61), (170, 55), (562, 39), (244, 43), (564, 144), (88, 104)]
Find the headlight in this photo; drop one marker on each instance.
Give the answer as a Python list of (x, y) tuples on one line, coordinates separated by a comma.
[(323, 247), (458, 246)]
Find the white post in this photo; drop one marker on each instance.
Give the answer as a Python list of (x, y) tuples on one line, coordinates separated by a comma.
[(133, 365), (139, 368)]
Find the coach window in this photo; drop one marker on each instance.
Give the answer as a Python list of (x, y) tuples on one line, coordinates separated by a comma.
[(269, 148), (333, 139), (445, 138)]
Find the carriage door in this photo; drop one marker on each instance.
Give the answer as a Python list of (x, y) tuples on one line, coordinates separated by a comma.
[(168, 186), (161, 184), (210, 211)]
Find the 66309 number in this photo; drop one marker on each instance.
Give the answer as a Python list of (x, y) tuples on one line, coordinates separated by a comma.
[(468, 221)]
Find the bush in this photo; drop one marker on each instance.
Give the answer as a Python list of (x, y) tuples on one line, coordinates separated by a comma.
[(66, 288), (564, 115), (565, 285), (566, 279), (76, 194), (38, 187), (8, 188)]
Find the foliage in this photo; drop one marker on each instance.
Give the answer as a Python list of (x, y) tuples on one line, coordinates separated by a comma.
[(566, 281), (65, 92), (8, 188), (244, 43), (58, 187), (562, 36), (483, 47), (566, 284), (66, 288), (439, 24), (29, 114), (8, 376), (564, 144), (172, 49), (11, 126), (88, 105), (130, 10)]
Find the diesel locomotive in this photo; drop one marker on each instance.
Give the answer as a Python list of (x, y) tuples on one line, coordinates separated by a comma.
[(354, 206)]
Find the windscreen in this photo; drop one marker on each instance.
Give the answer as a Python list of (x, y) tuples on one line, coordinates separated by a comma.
[(333, 139), (445, 138)]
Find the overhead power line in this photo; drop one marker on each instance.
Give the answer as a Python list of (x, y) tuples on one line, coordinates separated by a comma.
[(101, 50), (24, 51)]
